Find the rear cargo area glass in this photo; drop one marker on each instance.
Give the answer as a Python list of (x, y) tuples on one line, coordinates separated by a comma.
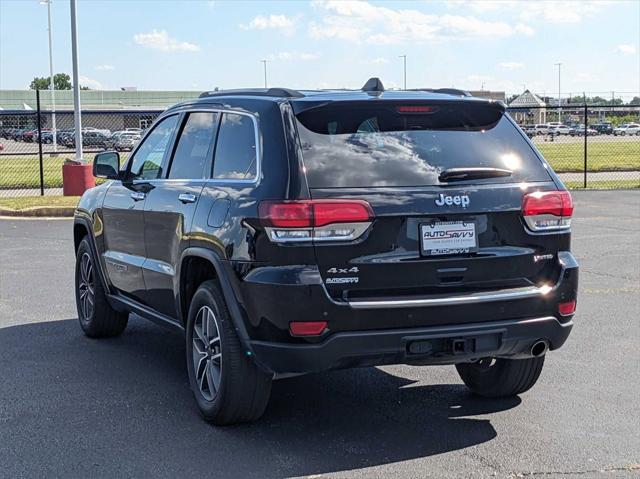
[(350, 146)]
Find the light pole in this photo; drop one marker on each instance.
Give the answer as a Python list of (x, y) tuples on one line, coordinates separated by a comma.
[(404, 61), (264, 62), (52, 87), (76, 85), (559, 102)]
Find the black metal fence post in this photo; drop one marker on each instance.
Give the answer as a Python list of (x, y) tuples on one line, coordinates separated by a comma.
[(39, 119), (586, 128)]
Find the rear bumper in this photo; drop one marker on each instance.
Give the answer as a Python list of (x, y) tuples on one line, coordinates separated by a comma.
[(503, 323), (432, 345)]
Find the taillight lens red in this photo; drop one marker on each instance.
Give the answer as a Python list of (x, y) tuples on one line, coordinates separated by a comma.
[(567, 308), (307, 328), (416, 109), (290, 214), (313, 213), (547, 210), (557, 203)]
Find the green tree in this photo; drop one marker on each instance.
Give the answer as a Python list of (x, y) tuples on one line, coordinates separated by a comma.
[(635, 100), (61, 81)]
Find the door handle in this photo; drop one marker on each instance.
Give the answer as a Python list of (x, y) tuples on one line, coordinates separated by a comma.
[(187, 198), (138, 195)]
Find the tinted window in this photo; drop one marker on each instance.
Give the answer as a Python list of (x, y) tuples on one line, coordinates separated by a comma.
[(236, 148), (147, 162), (194, 146), (359, 146)]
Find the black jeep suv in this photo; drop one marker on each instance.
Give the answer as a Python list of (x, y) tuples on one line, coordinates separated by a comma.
[(290, 232)]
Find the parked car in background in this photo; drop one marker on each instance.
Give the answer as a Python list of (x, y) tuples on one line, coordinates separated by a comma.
[(603, 128), (578, 130), (627, 129), (127, 141), (559, 130), (540, 129), (47, 136), (30, 136), (91, 139), (530, 130)]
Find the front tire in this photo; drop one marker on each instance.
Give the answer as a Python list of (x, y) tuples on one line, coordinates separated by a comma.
[(228, 387), (499, 377), (97, 318)]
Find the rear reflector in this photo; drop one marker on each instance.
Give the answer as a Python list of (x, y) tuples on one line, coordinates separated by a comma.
[(565, 309), (547, 210), (305, 220), (307, 328)]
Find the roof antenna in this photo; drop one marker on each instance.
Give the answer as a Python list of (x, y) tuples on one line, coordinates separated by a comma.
[(373, 85)]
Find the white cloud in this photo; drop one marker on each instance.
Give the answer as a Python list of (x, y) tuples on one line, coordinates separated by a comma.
[(511, 65), (625, 49), (104, 67), (90, 82), (160, 40), (283, 23), (558, 11), (293, 56), (359, 21), (376, 61)]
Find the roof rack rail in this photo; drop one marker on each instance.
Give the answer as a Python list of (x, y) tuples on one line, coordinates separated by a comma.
[(373, 85), (449, 91), (272, 92)]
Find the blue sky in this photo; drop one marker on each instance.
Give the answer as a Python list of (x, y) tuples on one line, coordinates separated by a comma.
[(197, 45)]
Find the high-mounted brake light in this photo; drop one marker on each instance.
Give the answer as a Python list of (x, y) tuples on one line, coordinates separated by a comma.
[(416, 109), (547, 210), (318, 220)]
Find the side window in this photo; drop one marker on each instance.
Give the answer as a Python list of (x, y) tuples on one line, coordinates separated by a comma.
[(236, 148), (147, 161), (194, 146)]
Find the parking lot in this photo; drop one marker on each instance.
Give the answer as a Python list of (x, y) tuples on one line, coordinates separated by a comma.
[(75, 407)]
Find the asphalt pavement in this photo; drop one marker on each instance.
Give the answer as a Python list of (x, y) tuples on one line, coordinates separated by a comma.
[(76, 407)]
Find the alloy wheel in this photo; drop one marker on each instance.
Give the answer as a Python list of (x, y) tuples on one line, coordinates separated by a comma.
[(86, 287), (207, 353)]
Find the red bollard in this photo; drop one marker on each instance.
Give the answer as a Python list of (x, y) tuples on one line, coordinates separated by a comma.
[(77, 178)]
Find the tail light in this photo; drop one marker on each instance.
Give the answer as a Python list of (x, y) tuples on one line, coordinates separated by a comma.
[(317, 220), (547, 210)]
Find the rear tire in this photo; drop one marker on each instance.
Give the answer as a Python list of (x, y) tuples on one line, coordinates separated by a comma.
[(228, 387), (97, 318), (491, 377)]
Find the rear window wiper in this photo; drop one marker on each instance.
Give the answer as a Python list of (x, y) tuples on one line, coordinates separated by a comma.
[(462, 174)]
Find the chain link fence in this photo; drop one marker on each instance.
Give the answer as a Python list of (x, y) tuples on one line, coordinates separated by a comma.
[(588, 146)]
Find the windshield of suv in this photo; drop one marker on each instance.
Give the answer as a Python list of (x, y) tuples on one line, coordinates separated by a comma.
[(396, 145)]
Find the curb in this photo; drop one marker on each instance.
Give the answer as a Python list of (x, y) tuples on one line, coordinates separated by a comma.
[(40, 212)]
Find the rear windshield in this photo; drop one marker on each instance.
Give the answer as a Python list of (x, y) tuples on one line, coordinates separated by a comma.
[(408, 145)]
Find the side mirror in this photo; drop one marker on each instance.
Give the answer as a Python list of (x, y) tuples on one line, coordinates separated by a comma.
[(107, 165)]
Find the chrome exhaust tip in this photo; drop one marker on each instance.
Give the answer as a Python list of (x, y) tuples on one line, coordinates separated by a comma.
[(539, 348)]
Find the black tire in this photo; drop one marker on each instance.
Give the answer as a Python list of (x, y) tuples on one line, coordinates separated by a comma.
[(242, 391), (97, 319), (501, 377)]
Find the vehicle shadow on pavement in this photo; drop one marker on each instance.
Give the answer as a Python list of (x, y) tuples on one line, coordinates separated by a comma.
[(121, 407)]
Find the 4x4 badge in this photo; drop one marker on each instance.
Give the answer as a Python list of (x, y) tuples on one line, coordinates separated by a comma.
[(458, 200)]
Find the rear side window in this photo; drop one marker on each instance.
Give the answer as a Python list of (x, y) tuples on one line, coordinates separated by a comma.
[(236, 153), (410, 145), (195, 146)]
